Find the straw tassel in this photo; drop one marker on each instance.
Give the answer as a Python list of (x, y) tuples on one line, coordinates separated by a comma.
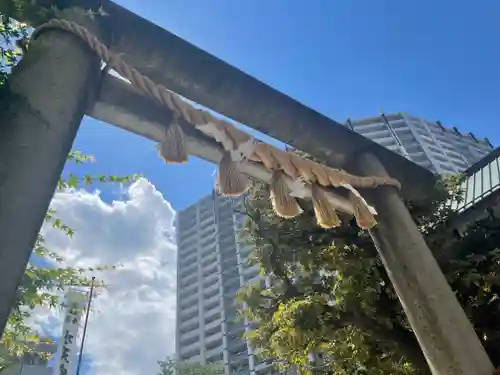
[(325, 214), (283, 203), (230, 180), (173, 148), (364, 217)]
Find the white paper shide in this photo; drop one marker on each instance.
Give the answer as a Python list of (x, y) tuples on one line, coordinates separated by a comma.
[(75, 302)]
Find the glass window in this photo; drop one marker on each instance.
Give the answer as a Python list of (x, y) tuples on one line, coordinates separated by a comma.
[(469, 196), (485, 172), (495, 175), (478, 185)]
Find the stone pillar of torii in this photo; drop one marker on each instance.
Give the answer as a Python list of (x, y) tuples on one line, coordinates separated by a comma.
[(59, 80)]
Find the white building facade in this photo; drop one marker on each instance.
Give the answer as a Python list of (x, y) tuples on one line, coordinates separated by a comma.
[(438, 148), (211, 268)]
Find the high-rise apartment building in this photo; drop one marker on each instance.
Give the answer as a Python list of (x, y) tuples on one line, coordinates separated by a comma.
[(211, 267), (429, 144)]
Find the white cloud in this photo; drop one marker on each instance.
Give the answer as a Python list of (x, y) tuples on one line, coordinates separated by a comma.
[(134, 322)]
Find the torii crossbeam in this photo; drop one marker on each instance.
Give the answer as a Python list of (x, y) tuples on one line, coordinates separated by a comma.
[(56, 88)]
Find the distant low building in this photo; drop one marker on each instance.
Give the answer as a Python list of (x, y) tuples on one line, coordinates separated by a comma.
[(481, 189), (32, 363)]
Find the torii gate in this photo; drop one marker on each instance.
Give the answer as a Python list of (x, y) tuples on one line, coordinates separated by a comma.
[(57, 87)]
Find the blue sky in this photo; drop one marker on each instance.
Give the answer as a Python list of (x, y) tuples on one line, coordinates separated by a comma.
[(439, 60)]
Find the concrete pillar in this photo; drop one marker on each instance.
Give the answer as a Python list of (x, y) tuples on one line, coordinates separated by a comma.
[(446, 336), (50, 91)]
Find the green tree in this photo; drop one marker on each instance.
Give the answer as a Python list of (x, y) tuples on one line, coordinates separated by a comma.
[(42, 285), (330, 294), (171, 366)]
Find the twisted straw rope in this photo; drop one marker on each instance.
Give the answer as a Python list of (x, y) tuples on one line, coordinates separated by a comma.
[(271, 157)]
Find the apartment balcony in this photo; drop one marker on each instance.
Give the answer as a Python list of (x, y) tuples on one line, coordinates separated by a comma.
[(255, 279), (212, 306), (209, 272), (208, 233), (188, 281), (195, 333), (241, 355), (208, 241), (210, 348), (226, 228), (189, 324), (208, 260), (189, 311), (185, 226), (188, 349), (230, 273), (210, 318), (213, 324), (376, 124), (230, 293), (242, 371), (393, 148), (236, 330), (229, 262), (261, 367), (233, 282), (378, 135), (209, 251), (251, 273), (190, 240), (210, 282), (210, 268), (213, 320), (207, 230), (186, 343), (213, 303), (418, 157), (195, 358), (245, 249), (225, 216), (187, 261), (188, 295), (210, 291), (387, 142), (188, 287), (227, 239), (239, 369), (214, 340), (235, 341), (188, 251), (193, 327), (183, 318), (214, 355), (213, 329), (206, 220), (188, 270), (251, 268), (207, 224), (214, 314)]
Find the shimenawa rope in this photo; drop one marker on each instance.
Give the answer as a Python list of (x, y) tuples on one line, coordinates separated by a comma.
[(238, 145)]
